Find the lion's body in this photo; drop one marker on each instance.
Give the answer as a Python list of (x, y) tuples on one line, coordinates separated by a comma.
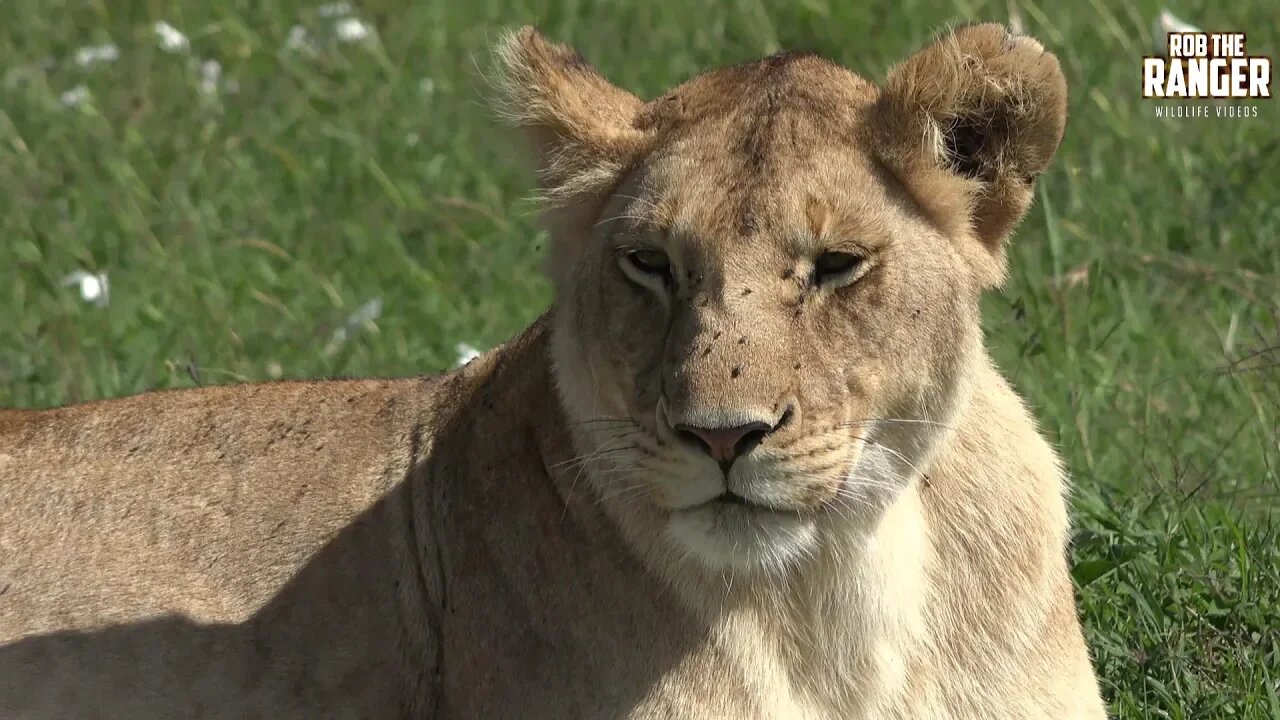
[(556, 530), (265, 551)]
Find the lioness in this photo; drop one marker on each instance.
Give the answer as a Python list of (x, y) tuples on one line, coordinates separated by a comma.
[(754, 462)]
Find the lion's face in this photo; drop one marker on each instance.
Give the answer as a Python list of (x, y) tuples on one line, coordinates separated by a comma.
[(765, 307), (755, 336)]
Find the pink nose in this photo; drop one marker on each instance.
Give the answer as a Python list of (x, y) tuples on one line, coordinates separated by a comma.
[(724, 445)]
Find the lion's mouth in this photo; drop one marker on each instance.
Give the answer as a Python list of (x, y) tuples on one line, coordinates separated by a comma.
[(731, 499)]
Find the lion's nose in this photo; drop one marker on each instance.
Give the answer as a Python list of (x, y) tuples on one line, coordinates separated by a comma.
[(725, 444)]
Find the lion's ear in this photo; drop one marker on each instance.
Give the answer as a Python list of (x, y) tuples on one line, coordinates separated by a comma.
[(581, 126), (968, 123)]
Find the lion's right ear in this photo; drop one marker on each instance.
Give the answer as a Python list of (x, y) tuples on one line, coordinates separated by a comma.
[(580, 125)]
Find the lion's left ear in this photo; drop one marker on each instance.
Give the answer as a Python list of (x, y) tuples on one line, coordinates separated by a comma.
[(967, 124)]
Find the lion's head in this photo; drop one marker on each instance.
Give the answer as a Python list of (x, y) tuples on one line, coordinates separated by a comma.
[(767, 279)]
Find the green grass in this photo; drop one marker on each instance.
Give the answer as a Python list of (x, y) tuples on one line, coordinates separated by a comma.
[(241, 229)]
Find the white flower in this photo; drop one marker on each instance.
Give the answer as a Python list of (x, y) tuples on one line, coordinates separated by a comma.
[(1165, 23), (466, 353), (363, 315), (298, 39), (334, 9), (366, 313), (210, 72), (171, 40), (94, 288), (75, 97), (94, 54), (427, 86), (351, 30), (1168, 22)]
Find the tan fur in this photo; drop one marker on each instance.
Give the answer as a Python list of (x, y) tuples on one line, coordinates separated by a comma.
[(529, 536)]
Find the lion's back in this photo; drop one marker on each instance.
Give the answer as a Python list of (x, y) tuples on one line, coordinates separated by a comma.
[(197, 502), (211, 552)]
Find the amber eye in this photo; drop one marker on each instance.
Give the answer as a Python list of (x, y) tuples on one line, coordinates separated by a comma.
[(834, 267), (650, 262)]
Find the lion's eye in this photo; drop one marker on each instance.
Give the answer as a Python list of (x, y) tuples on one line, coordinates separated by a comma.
[(648, 268), (834, 267), (652, 262)]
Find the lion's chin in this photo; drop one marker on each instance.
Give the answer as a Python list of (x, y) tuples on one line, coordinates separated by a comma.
[(743, 538)]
